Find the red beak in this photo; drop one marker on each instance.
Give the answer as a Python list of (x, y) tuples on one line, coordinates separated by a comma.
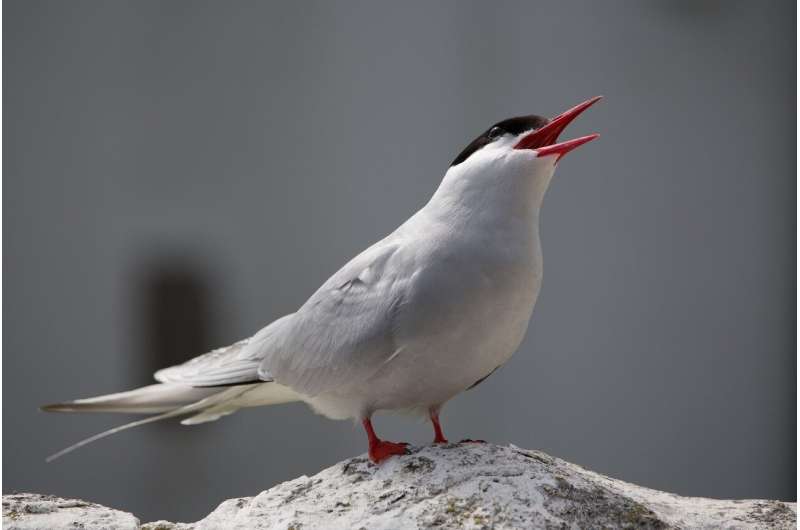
[(543, 139)]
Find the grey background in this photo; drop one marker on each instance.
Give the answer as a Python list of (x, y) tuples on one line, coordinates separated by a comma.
[(179, 174)]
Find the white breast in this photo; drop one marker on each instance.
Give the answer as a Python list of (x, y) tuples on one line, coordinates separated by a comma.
[(475, 273)]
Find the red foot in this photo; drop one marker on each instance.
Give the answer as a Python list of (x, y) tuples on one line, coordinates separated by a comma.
[(380, 450), (471, 441)]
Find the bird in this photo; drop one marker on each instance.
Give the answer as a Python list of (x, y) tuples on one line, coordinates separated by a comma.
[(427, 312)]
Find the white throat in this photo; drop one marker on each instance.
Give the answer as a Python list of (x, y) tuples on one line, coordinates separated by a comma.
[(497, 187)]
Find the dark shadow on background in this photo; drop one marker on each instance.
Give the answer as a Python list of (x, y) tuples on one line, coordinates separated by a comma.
[(174, 315), (174, 321)]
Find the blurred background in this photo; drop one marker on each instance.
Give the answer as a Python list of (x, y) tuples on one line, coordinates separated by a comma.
[(178, 174)]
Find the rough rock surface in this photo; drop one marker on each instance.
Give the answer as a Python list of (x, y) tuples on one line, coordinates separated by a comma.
[(454, 486), (31, 511)]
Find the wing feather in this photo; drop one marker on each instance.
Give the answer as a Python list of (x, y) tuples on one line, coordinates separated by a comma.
[(345, 332), (341, 336), (220, 367)]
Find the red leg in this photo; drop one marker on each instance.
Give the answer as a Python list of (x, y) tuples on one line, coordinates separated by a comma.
[(380, 450), (437, 428)]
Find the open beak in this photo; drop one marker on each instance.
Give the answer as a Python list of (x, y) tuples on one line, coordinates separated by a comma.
[(543, 140)]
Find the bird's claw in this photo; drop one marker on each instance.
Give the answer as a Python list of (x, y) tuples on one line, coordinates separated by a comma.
[(383, 450)]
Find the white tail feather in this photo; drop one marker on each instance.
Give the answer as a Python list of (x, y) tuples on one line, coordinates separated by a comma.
[(256, 396), (109, 432), (150, 399), (217, 398)]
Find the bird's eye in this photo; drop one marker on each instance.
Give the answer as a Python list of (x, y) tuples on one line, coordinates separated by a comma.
[(494, 132)]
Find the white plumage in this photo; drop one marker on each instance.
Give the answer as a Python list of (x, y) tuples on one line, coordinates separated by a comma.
[(418, 317)]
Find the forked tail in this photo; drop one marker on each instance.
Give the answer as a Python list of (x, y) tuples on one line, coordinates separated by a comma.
[(169, 401)]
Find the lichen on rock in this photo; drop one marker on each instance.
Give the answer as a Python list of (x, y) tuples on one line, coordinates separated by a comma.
[(471, 486), (31, 511)]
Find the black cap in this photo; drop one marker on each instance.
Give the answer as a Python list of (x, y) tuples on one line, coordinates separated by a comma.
[(513, 126)]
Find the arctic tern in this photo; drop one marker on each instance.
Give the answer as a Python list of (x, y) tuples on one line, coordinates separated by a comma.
[(422, 315)]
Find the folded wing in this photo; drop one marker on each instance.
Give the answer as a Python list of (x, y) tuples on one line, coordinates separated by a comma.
[(345, 332), (221, 367)]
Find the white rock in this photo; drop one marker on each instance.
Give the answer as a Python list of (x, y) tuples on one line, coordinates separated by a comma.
[(31, 511), (472, 486)]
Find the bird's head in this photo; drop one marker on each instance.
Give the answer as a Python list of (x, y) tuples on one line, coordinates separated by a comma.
[(515, 156)]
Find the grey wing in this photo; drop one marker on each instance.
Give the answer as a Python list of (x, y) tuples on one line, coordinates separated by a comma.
[(230, 365), (345, 332)]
